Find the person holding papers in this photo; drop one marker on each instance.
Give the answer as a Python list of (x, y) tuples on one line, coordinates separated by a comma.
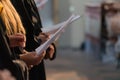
[(11, 25), (7, 22), (31, 20)]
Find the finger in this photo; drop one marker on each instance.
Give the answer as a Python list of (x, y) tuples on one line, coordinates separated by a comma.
[(45, 35), (22, 44), (19, 34), (19, 38)]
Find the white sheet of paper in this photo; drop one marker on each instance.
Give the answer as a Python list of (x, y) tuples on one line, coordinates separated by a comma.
[(53, 37), (53, 29)]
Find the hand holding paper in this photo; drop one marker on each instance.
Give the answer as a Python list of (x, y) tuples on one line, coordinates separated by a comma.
[(56, 32)]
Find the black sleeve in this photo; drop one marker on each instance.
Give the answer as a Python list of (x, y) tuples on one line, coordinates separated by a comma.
[(16, 51), (8, 41), (5, 55)]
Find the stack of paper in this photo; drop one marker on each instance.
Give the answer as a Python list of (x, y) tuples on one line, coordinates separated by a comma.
[(55, 32)]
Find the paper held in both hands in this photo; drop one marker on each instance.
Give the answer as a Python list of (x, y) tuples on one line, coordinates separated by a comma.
[(55, 32)]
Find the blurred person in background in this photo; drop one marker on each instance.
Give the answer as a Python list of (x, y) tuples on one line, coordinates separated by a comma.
[(114, 29)]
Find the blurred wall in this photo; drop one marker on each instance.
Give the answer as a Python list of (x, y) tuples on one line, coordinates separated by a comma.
[(63, 14), (74, 34)]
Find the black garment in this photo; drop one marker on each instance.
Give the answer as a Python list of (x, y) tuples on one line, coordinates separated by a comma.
[(27, 10), (5, 54), (6, 61)]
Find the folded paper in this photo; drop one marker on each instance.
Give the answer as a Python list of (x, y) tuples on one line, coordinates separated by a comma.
[(57, 30)]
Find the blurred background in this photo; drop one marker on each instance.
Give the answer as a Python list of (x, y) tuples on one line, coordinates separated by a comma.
[(87, 48)]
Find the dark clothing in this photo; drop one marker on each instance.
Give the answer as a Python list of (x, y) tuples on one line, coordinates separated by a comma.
[(27, 10), (5, 55), (38, 72), (24, 8), (6, 61)]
